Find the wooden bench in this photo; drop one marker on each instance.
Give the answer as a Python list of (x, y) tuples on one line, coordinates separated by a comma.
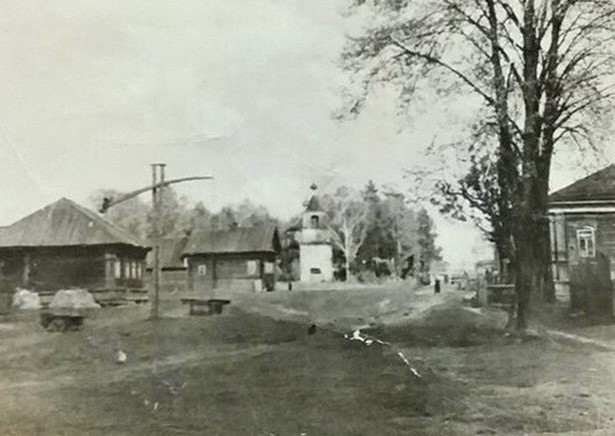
[(214, 305), (60, 321)]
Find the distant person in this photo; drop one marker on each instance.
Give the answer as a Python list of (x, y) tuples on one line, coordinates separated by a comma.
[(437, 286)]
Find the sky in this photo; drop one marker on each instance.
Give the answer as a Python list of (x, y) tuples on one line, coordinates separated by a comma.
[(92, 92)]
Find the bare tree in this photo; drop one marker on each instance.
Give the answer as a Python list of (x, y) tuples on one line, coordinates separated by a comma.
[(541, 68), (348, 217)]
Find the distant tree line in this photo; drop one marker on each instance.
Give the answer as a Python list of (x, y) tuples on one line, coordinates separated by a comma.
[(374, 232), (178, 216)]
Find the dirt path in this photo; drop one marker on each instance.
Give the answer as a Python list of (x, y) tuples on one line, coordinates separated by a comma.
[(348, 309)]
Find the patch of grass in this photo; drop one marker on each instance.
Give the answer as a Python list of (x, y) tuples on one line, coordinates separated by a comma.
[(317, 386), (246, 374)]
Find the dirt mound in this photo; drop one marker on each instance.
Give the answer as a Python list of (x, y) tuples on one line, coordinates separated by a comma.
[(446, 326), (73, 299), (461, 317)]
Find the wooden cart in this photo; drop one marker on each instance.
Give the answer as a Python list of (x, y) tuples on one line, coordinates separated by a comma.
[(213, 305), (58, 320)]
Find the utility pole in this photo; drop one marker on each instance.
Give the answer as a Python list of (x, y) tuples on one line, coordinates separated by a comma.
[(157, 188)]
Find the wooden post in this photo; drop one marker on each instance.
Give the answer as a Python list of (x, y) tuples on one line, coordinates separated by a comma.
[(160, 200), (156, 188), (26, 270), (110, 259), (156, 244), (157, 198), (214, 272)]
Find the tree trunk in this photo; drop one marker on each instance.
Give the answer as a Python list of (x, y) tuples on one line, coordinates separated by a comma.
[(347, 266), (524, 269), (530, 205), (532, 245)]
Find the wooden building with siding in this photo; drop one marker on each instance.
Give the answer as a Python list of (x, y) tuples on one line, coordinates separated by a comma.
[(173, 268), (582, 217), (65, 245), (239, 259)]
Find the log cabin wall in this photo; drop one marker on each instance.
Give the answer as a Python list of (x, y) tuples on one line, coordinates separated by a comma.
[(53, 268), (63, 270), (603, 226), (229, 271)]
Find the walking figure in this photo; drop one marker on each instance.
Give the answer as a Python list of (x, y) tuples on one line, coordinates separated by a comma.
[(437, 286)]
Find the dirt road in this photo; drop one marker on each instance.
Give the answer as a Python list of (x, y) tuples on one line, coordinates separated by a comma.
[(255, 370), (347, 309)]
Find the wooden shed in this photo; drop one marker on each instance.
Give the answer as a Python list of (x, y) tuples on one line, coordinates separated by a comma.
[(239, 259), (65, 245), (582, 219)]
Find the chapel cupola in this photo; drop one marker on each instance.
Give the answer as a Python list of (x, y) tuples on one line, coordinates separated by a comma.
[(314, 217)]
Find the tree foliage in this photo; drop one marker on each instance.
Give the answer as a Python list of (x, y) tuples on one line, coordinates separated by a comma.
[(542, 71), (178, 217), (428, 251), (131, 215), (348, 221), (377, 232)]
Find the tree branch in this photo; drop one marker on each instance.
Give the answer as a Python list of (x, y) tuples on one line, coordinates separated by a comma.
[(436, 61)]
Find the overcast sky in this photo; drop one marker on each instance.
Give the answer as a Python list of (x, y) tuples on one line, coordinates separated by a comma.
[(92, 92)]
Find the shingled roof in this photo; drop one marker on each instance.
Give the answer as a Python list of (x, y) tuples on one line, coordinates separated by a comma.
[(171, 250), (64, 223), (262, 239), (599, 186)]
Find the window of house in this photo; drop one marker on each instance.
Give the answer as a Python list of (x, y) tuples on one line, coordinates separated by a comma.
[(118, 269), (139, 270), (202, 270), (251, 266), (133, 270), (268, 267), (126, 270), (315, 271), (314, 221), (586, 242)]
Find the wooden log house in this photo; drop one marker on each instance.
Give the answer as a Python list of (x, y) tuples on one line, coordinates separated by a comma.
[(582, 221), (65, 245), (234, 260)]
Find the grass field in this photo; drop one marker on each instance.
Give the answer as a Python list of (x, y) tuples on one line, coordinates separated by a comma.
[(255, 371)]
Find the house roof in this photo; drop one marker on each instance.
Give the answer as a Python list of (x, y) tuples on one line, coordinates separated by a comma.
[(64, 223), (264, 239), (599, 186), (294, 226), (171, 250)]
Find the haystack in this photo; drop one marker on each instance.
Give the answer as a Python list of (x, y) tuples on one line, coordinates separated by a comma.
[(26, 300), (73, 299)]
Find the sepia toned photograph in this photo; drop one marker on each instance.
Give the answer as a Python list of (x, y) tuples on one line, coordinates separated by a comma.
[(307, 217)]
